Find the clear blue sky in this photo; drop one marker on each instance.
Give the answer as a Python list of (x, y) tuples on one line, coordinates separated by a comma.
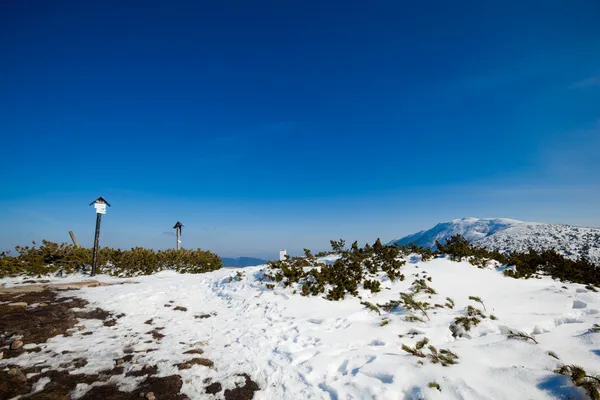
[(284, 124)]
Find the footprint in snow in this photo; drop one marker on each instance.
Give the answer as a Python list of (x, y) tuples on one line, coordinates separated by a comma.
[(578, 304)]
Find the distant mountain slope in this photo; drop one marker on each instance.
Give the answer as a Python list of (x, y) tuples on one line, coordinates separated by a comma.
[(511, 235), (242, 261), (471, 228)]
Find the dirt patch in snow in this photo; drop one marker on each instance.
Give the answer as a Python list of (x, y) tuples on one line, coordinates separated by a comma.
[(194, 361), (14, 382), (46, 315), (30, 318), (164, 388), (245, 392)]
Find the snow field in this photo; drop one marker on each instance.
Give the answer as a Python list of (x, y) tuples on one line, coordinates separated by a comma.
[(298, 347)]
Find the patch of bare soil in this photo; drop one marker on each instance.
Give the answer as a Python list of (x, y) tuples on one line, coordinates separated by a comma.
[(152, 388), (32, 316), (45, 316), (245, 392), (194, 361), (194, 351), (62, 383), (155, 334), (203, 316), (213, 388)]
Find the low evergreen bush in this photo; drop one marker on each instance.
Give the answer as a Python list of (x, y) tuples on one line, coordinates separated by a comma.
[(52, 257), (345, 276), (531, 264)]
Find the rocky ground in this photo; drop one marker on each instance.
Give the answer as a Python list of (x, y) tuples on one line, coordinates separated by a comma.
[(31, 315)]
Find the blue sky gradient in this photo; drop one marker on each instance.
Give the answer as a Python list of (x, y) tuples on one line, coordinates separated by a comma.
[(285, 124)]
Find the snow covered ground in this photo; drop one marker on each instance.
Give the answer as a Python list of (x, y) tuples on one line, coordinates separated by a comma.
[(298, 347)]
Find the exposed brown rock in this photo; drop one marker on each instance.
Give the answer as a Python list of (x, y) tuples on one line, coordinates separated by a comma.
[(194, 361)]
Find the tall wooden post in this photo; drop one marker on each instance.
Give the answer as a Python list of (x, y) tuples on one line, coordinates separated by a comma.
[(96, 240), (100, 206), (177, 228)]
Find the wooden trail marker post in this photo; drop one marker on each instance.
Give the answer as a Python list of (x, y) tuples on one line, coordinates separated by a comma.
[(177, 228), (100, 206), (73, 239)]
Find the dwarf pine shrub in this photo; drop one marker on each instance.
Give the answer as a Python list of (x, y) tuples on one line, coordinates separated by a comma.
[(553, 355), (409, 303), (477, 299), (465, 322), (444, 357), (580, 378), (426, 254), (371, 306), (531, 264), (52, 257), (345, 276), (520, 335)]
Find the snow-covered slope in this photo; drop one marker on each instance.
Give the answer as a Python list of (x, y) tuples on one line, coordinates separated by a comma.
[(471, 228), (297, 347), (511, 235), (571, 241)]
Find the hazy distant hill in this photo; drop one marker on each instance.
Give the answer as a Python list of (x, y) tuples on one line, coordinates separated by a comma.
[(511, 235), (242, 261)]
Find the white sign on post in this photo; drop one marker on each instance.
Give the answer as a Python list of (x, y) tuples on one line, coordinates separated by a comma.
[(100, 208)]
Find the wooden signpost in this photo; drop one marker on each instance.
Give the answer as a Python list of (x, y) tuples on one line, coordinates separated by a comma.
[(177, 228), (100, 206)]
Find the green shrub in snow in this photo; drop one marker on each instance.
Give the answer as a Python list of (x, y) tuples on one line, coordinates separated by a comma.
[(444, 357), (51, 258), (529, 264), (580, 378), (426, 254), (355, 268), (520, 335), (434, 385)]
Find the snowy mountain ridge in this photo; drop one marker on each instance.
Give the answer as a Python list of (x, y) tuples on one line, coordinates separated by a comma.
[(506, 235)]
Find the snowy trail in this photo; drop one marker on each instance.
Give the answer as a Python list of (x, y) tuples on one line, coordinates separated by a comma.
[(298, 347)]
